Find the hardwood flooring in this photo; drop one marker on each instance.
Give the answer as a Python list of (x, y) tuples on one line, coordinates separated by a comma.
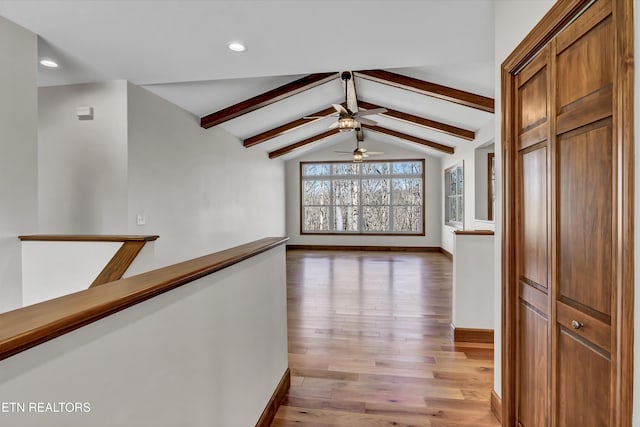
[(370, 344)]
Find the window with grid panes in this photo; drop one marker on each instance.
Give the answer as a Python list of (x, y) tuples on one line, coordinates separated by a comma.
[(375, 197), (454, 196)]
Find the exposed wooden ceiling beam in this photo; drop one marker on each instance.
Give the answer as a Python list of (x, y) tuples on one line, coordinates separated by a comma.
[(287, 127), (446, 93), (422, 121), (411, 138), (266, 98), (289, 148)]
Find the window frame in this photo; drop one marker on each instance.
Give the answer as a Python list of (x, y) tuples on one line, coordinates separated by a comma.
[(491, 184), (459, 168), (361, 177)]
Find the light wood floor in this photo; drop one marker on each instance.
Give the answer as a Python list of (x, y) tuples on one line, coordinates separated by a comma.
[(370, 344)]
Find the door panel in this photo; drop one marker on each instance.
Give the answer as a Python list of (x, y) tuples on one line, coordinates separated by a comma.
[(533, 330), (583, 383), (586, 66), (533, 364), (585, 237), (533, 101), (568, 186), (585, 221), (534, 217), (592, 329)]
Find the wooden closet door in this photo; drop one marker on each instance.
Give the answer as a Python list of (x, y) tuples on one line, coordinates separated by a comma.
[(568, 219), (532, 230), (585, 228)]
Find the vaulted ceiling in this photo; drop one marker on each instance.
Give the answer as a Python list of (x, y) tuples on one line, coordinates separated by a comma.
[(408, 53)]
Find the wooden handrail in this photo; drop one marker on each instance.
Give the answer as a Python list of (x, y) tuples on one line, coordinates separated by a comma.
[(29, 326), (86, 238)]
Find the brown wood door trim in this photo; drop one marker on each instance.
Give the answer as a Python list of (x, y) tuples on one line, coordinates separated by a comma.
[(622, 352)]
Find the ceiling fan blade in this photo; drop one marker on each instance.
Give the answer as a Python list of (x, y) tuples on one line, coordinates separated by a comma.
[(340, 109), (370, 112), (375, 153), (344, 152), (365, 155), (364, 121), (334, 125)]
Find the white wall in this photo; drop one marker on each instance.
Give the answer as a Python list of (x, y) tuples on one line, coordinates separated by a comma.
[(473, 281), (465, 153), (209, 353), (199, 189), (513, 21), (82, 164), (18, 154), (392, 150), (54, 269)]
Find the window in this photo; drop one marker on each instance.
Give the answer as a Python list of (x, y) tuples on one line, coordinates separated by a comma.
[(491, 185), (454, 196), (362, 198)]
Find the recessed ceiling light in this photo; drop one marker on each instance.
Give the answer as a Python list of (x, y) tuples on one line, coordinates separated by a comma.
[(49, 63), (237, 47)]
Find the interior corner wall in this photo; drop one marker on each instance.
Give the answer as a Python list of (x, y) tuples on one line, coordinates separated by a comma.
[(393, 151), (82, 164), (465, 153), (18, 154), (199, 189), (513, 20)]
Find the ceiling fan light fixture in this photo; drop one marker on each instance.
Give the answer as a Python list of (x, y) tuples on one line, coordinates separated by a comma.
[(357, 156), (346, 124)]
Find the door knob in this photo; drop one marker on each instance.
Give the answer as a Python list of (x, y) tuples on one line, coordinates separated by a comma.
[(576, 325)]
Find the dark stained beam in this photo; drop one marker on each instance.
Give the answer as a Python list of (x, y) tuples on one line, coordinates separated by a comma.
[(411, 138), (287, 127), (289, 148), (422, 121), (267, 98), (446, 93)]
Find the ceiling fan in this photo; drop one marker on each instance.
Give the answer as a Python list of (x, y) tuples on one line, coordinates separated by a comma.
[(348, 120), (360, 153)]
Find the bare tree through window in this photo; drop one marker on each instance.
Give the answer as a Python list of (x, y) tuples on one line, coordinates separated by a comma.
[(359, 198)]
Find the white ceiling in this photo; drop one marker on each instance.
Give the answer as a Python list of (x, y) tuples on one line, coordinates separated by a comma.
[(178, 49)]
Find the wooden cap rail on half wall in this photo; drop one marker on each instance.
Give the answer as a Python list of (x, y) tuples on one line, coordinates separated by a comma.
[(29, 326)]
